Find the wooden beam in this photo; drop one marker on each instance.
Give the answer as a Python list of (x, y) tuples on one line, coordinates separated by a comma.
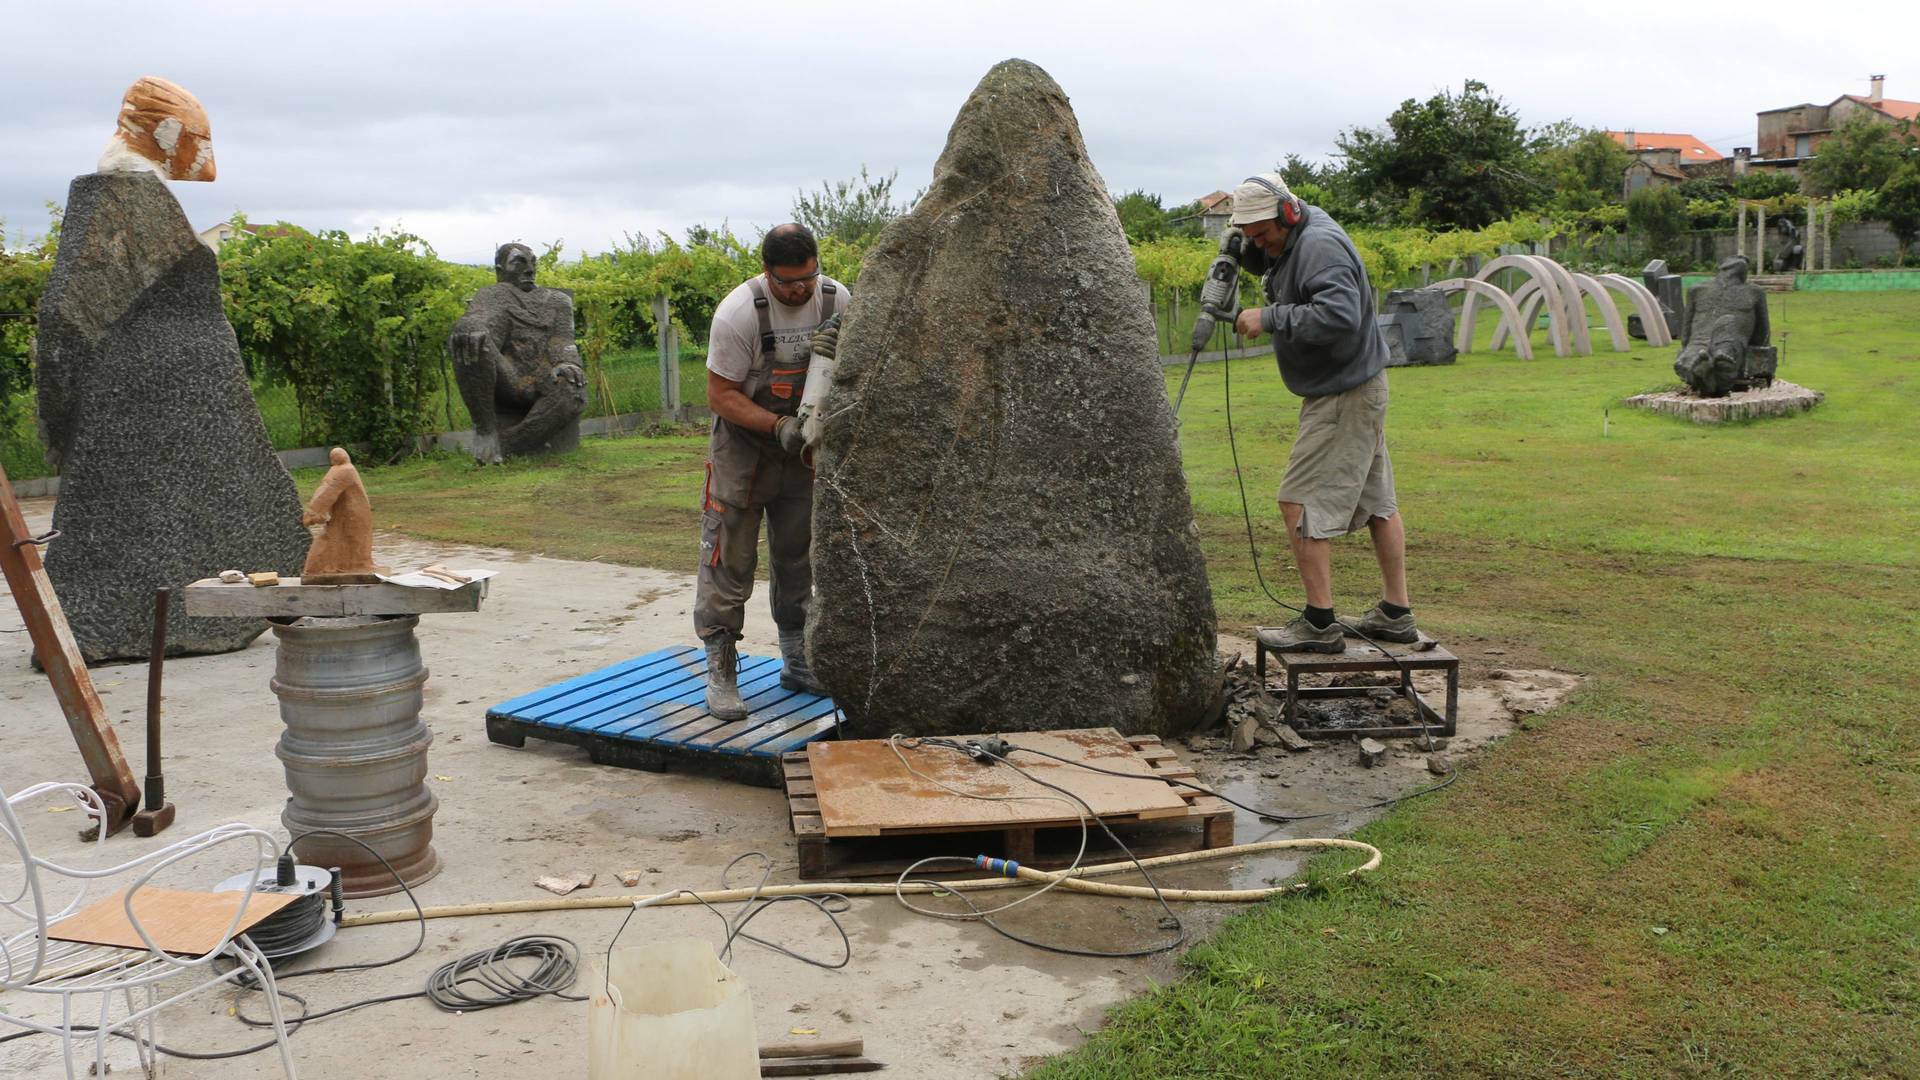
[(59, 653), (292, 599)]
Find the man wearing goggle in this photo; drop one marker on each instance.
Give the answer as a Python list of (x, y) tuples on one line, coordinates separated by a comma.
[(764, 336)]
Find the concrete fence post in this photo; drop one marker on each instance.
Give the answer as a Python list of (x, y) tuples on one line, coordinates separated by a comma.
[(1760, 240), (1740, 231), (668, 343)]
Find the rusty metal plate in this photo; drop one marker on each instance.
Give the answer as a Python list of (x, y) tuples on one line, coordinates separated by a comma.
[(864, 790)]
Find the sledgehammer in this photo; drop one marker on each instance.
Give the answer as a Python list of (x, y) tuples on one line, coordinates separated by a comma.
[(157, 813)]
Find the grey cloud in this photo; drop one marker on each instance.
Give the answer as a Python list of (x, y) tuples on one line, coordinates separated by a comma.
[(476, 122)]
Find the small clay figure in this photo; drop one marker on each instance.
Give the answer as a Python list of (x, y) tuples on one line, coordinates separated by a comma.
[(342, 551), (162, 129)]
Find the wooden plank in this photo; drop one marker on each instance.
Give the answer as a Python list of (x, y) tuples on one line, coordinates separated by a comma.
[(179, 922), (822, 1048), (59, 653), (818, 1066), (291, 599), (864, 790), (594, 684)]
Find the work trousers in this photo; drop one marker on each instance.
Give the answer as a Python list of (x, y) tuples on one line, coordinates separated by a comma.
[(781, 491)]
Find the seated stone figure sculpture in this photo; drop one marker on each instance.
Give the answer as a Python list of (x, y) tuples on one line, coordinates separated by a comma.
[(516, 363), (1725, 335)]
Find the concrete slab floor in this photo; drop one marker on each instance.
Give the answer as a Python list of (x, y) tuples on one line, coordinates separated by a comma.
[(934, 999)]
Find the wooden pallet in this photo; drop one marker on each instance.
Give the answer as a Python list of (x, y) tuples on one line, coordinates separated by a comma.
[(1207, 824), (651, 713)]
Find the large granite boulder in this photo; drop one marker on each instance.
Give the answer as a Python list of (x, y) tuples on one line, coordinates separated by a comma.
[(166, 474), (1002, 535)]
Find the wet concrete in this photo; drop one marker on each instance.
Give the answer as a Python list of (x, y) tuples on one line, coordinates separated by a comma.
[(935, 999)]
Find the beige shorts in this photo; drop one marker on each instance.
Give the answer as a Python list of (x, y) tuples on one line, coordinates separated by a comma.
[(1339, 470)]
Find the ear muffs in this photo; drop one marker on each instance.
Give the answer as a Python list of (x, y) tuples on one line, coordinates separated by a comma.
[(1292, 210)]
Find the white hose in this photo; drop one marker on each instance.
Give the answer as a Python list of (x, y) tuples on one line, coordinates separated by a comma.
[(1072, 881)]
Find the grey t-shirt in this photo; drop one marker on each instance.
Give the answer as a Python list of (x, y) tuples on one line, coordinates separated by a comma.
[(1325, 336), (734, 341)]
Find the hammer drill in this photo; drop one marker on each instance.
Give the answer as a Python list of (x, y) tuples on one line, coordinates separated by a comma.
[(1219, 301)]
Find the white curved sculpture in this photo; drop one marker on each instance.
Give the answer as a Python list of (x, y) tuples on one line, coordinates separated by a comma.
[(1645, 304), (1557, 309), (1571, 305), (1509, 313), (1529, 298)]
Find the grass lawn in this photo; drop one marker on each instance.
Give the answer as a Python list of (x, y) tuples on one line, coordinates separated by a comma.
[(1706, 862)]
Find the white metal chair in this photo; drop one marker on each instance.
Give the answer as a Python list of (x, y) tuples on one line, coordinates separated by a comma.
[(31, 963)]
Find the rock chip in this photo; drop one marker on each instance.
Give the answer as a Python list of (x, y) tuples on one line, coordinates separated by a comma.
[(166, 474), (1002, 531)]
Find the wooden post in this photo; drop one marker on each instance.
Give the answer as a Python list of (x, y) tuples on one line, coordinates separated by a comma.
[(1740, 231), (669, 345)]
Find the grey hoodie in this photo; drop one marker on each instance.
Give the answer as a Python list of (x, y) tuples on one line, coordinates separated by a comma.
[(1321, 316)]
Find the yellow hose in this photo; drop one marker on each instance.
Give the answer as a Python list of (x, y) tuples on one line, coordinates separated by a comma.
[(1070, 880)]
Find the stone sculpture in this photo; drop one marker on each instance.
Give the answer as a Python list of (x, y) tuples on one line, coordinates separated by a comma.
[(166, 474), (518, 368), (1002, 534), (162, 129), (342, 550), (1792, 251), (1418, 326), (1725, 335), (1665, 288)]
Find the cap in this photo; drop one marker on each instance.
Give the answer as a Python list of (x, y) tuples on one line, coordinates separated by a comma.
[(1254, 201)]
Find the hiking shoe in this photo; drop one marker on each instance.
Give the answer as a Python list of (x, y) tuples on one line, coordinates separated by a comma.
[(1302, 636), (795, 672), (1377, 625), (723, 675)]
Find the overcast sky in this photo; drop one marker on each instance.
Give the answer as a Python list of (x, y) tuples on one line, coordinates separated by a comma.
[(476, 123)]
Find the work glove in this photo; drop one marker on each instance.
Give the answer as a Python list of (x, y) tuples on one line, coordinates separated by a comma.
[(786, 432), (1233, 241), (827, 338)]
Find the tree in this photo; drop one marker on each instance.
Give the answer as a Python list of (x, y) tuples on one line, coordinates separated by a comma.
[(1142, 217), (1659, 214), (23, 277), (1459, 160), (852, 210), (1862, 155), (1584, 166), (1899, 203)]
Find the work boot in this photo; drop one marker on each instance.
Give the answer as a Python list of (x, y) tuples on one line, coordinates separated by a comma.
[(795, 672), (723, 679), (1302, 636), (1377, 625)]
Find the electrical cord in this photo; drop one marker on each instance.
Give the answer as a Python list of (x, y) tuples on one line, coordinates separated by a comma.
[(1253, 549), (556, 968), (832, 905), (1264, 815), (978, 752)]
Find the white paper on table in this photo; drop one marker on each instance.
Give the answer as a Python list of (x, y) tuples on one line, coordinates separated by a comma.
[(416, 579)]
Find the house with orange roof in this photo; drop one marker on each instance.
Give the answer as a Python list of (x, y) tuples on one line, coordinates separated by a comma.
[(1665, 157)]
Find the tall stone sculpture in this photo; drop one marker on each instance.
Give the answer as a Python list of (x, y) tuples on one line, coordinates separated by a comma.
[(166, 474), (1725, 335), (518, 368), (1002, 534)]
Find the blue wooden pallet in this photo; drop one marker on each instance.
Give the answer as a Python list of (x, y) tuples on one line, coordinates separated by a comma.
[(651, 713)]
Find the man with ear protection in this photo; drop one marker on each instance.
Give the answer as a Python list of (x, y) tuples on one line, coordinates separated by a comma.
[(1320, 312)]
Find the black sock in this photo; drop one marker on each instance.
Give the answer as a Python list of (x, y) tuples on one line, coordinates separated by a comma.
[(1319, 617), (1395, 611)]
